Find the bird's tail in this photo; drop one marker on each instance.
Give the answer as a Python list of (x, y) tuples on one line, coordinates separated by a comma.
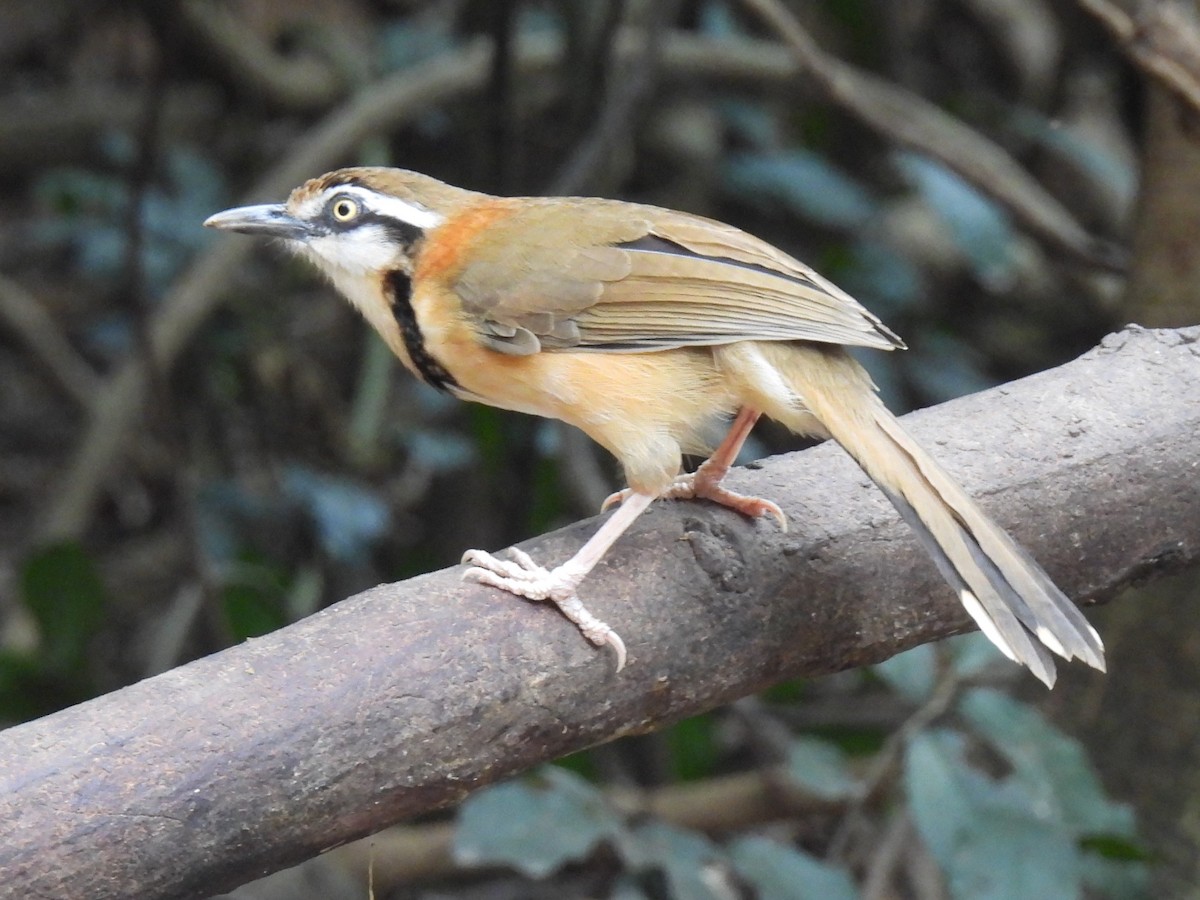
[(1007, 593)]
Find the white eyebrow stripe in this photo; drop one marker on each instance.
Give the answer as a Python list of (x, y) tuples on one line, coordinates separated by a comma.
[(393, 207)]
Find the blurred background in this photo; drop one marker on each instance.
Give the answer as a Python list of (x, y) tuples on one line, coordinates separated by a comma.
[(199, 442)]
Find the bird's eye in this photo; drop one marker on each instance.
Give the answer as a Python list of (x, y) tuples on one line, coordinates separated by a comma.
[(343, 209)]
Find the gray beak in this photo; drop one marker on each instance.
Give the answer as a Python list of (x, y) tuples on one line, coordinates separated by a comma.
[(271, 219)]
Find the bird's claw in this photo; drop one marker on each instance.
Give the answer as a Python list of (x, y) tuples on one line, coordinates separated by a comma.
[(690, 487), (520, 575), (526, 578), (614, 498), (752, 507)]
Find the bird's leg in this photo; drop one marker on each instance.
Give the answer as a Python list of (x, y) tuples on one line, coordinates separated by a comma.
[(705, 482), (525, 578)]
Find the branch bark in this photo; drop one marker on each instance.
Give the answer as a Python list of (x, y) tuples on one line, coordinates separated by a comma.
[(408, 696)]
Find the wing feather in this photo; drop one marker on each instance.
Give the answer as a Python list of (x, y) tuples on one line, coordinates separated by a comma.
[(650, 279)]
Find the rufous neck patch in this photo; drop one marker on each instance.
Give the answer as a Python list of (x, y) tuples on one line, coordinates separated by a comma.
[(443, 250)]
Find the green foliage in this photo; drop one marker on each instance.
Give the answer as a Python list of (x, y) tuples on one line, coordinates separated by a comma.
[(535, 824), (1006, 804), (1003, 801), (792, 691), (820, 767), (546, 507), (487, 430), (1052, 766), (881, 276), (911, 674), (62, 591), (989, 836), (349, 518), (1046, 828), (804, 183), (261, 588), (538, 824), (978, 225), (693, 749), (250, 611), (92, 210), (689, 863), (403, 44), (1089, 155), (28, 689), (440, 450), (777, 872)]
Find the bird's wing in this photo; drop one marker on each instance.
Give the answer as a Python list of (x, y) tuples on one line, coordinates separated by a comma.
[(639, 278)]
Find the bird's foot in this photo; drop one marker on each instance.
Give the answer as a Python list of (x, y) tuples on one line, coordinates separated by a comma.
[(693, 485), (525, 578)]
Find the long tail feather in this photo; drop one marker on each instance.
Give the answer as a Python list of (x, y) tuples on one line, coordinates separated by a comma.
[(1007, 593)]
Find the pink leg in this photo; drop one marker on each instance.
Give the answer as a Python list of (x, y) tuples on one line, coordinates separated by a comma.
[(717, 466), (705, 482), (525, 578)]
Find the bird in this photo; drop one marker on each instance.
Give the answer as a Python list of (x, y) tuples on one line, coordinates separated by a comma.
[(644, 327)]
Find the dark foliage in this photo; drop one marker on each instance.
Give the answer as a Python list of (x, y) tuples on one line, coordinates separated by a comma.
[(190, 457)]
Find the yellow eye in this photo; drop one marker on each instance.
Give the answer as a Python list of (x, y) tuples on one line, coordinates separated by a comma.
[(344, 209)]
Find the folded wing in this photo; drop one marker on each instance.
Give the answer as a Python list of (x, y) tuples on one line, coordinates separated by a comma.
[(649, 279)]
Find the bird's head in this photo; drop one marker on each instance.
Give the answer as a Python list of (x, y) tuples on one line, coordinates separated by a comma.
[(353, 223)]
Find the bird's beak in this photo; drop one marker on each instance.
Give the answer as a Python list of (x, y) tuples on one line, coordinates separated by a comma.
[(271, 219)]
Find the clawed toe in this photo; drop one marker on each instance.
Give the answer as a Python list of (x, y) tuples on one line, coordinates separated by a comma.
[(693, 486), (614, 640), (521, 568), (754, 507), (525, 578), (613, 499)]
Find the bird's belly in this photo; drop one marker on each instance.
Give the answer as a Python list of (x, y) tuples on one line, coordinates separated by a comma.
[(599, 392), (644, 408)]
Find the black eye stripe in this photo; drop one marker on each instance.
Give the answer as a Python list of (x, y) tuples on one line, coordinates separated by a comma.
[(398, 231)]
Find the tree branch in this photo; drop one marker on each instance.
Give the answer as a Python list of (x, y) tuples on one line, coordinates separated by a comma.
[(248, 62), (30, 321), (909, 120), (406, 697), (1162, 40)]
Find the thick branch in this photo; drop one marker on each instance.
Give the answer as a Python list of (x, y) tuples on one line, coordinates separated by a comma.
[(408, 696)]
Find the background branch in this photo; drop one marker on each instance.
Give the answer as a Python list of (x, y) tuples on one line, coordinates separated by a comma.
[(248, 63), (406, 697), (908, 120), (29, 320), (1162, 40)]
